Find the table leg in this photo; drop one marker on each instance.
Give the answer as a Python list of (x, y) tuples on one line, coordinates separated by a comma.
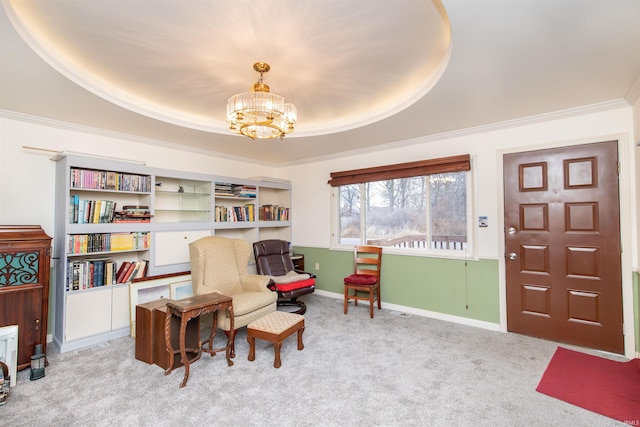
[(229, 339), (183, 350), (214, 326), (167, 340)]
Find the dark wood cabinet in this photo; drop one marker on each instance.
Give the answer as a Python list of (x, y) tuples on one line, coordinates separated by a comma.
[(151, 345), (25, 259), (298, 261)]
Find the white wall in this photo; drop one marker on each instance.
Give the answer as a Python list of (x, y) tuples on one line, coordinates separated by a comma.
[(27, 187), (27, 176), (636, 139), (311, 191)]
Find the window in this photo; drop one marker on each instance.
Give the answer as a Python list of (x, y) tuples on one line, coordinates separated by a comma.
[(426, 213)]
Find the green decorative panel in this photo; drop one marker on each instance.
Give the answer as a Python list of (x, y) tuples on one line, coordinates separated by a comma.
[(461, 288), (18, 268)]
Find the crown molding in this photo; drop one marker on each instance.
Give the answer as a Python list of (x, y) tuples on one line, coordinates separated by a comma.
[(507, 124), (124, 136), (634, 92)]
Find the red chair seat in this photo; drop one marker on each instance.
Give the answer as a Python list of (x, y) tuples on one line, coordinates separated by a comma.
[(361, 279), (287, 287)]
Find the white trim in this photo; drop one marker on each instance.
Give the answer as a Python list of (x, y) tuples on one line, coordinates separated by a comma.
[(540, 118), (424, 313), (633, 94), (41, 121), (439, 137), (627, 228), (99, 339)]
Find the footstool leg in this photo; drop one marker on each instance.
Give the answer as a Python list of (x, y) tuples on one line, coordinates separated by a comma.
[(252, 348), (276, 349), (300, 344)]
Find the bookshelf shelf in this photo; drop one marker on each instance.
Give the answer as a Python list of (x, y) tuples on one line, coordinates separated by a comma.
[(98, 289), (182, 200), (171, 208), (91, 254)]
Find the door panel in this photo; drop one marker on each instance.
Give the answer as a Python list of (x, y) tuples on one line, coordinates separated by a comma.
[(562, 244)]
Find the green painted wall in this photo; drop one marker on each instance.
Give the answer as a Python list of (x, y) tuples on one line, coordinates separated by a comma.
[(454, 287)]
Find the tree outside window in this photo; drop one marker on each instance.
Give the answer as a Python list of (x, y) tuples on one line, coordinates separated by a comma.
[(422, 212)]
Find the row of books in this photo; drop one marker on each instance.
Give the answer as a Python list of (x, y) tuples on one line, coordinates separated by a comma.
[(102, 272), (109, 180), (235, 213), (108, 242), (273, 213), (91, 211)]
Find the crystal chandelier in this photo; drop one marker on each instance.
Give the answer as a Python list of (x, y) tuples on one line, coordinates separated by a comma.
[(260, 113)]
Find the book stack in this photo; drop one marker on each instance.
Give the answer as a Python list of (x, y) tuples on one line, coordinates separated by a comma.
[(244, 191), (224, 189), (133, 213)]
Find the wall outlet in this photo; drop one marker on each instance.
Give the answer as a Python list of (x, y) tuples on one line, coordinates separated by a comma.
[(317, 266)]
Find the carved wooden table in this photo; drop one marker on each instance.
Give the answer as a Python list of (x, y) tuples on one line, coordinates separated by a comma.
[(190, 308)]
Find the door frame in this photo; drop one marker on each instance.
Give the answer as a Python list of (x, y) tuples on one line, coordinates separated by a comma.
[(627, 213)]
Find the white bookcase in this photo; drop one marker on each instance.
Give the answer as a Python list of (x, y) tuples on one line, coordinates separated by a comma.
[(182, 208)]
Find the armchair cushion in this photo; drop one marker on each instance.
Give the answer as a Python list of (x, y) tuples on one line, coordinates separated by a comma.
[(300, 284), (247, 302)]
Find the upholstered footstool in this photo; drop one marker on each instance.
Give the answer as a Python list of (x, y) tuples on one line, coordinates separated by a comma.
[(275, 327)]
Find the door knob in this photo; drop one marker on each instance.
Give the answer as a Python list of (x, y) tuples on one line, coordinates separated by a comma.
[(513, 256), (511, 230)]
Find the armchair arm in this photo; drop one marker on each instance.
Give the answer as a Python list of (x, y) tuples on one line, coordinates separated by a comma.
[(254, 282)]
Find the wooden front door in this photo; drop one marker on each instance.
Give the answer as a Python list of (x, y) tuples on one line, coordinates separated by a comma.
[(562, 244)]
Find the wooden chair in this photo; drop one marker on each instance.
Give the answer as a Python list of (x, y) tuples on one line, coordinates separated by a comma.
[(366, 277)]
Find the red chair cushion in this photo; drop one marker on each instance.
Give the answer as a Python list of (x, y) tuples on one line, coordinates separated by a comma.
[(286, 287), (361, 279)]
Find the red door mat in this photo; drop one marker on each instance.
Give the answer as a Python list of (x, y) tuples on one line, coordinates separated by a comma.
[(599, 385)]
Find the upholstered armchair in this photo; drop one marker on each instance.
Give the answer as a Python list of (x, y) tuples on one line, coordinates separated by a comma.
[(219, 264)]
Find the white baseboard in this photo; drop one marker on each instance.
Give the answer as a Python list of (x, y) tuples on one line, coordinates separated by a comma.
[(424, 313)]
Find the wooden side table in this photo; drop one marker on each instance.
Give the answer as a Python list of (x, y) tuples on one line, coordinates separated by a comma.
[(298, 261), (187, 309)]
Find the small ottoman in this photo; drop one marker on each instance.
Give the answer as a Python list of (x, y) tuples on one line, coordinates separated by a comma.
[(275, 327)]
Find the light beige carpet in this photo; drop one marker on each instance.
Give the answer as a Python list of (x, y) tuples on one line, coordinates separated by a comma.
[(389, 371)]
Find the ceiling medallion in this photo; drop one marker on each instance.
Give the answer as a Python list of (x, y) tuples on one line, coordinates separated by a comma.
[(259, 113)]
